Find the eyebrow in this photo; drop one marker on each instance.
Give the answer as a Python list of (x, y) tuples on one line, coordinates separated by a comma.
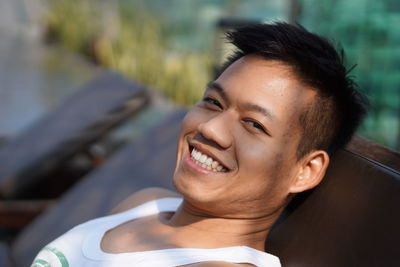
[(256, 108), (249, 106), (219, 89)]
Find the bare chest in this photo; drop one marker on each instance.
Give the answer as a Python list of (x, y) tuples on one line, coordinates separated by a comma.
[(149, 234), (142, 234)]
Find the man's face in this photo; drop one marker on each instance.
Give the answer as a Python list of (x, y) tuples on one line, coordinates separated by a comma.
[(237, 148)]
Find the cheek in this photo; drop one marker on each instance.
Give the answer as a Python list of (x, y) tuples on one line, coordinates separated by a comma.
[(253, 152), (192, 119), (186, 127), (267, 162), (189, 125), (187, 122)]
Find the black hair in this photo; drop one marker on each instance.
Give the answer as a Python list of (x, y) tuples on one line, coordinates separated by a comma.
[(329, 122)]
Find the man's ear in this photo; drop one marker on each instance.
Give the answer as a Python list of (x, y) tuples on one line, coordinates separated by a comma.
[(311, 171)]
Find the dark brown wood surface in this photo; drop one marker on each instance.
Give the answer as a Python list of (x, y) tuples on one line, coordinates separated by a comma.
[(351, 219), (371, 150), (77, 122)]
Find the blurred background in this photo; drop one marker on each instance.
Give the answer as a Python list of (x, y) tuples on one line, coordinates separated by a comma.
[(175, 45)]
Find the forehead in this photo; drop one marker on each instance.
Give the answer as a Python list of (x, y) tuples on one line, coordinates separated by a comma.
[(267, 83)]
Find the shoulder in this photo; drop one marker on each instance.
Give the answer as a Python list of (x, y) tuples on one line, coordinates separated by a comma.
[(143, 196)]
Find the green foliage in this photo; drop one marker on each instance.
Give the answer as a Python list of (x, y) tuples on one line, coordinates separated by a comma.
[(69, 23), (368, 32), (133, 42)]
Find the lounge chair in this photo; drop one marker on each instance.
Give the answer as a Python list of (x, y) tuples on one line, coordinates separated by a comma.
[(75, 124)]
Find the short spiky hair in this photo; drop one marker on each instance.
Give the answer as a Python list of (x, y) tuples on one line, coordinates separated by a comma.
[(333, 117)]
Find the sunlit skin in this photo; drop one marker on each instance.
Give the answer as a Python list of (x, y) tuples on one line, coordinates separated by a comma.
[(258, 149), (248, 120)]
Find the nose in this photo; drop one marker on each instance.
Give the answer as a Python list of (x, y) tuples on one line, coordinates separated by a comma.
[(217, 130)]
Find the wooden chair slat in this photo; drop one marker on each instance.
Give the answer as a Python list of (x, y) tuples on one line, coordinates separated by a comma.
[(77, 122)]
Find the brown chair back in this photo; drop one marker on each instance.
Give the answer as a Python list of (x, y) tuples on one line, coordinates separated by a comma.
[(351, 219)]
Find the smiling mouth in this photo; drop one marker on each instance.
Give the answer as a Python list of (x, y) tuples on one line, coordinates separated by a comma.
[(205, 161)]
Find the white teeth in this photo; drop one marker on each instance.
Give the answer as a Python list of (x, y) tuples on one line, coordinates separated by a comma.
[(214, 164), (203, 158), (206, 162)]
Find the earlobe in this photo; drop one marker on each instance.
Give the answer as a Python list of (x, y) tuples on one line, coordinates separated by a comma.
[(311, 172)]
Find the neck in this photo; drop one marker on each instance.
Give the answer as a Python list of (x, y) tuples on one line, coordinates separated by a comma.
[(211, 231)]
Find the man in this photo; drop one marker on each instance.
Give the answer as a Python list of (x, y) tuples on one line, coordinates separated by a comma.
[(262, 133)]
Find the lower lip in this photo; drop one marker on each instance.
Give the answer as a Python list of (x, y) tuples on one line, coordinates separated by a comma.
[(189, 161)]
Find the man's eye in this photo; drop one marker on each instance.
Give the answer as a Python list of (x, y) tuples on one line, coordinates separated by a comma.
[(212, 101), (256, 125)]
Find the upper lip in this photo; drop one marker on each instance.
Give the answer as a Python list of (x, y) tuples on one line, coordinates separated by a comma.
[(200, 147)]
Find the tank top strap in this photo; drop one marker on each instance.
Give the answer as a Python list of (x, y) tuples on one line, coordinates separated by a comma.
[(146, 209)]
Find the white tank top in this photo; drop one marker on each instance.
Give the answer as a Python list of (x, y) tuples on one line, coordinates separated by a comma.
[(81, 246)]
